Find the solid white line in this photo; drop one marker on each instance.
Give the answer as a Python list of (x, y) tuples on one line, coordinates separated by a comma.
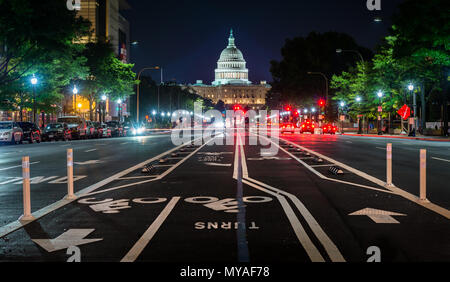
[(150, 180), (395, 190), (299, 231), (137, 177), (1, 169), (444, 160), (331, 249), (92, 150), (217, 164), (139, 246), (15, 225)]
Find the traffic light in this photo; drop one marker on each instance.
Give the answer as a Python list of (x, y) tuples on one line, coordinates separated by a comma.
[(287, 108), (322, 103)]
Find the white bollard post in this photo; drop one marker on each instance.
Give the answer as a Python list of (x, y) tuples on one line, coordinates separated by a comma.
[(423, 175), (26, 190), (70, 194), (389, 165)]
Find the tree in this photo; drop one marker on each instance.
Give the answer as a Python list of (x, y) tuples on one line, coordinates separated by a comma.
[(315, 53), (107, 75), (32, 30), (422, 31)]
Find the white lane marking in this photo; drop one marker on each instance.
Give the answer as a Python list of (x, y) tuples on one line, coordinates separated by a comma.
[(395, 190), (325, 177), (6, 168), (137, 177), (299, 231), (124, 143), (322, 165), (332, 250), (15, 225), (139, 246), (150, 180), (217, 164), (381, 148), (72, 237), (89, 162), (91, 150), (439, 159), (379, 216)]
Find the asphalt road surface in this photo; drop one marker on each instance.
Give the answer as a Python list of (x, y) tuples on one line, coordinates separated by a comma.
[(230, 203)]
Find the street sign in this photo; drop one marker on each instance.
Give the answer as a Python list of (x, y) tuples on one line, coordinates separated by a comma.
[(404, 112), (380, 109)]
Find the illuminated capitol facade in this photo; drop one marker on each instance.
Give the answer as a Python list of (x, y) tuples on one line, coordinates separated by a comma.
[(231, 84)]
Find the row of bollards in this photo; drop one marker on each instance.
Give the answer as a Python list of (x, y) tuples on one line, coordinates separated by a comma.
[(27, 215), (423, 171)]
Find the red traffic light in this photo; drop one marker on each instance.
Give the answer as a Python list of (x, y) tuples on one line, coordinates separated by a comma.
[(321, 103), (287, 108)]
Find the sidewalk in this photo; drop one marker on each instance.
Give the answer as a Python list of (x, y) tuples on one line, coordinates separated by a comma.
[(420, 137)]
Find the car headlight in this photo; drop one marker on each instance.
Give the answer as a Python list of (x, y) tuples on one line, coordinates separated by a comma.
[(140, 130), (134, 131)]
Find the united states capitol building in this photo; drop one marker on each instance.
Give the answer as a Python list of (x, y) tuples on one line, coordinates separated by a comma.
[(231, 84)]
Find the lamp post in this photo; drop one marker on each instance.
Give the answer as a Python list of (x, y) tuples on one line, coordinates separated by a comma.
[(119, 103), (138, 88), (34, 81), (103, 109), (358, 100), (75, 92), (342, 105), (380, 120), (351, 51), (411, 91)]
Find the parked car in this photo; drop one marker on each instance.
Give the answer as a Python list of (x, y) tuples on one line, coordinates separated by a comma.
[(10, 132), (77, 125), (116, 128), (105, 130), (57, 131), (31, 132), (91, 130)]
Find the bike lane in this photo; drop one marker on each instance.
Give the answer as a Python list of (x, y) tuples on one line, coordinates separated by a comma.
[(354, 213)]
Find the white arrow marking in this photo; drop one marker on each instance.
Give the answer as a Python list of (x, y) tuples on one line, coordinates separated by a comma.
[(88, 162), (216, 164), (379, 216), (72, 237)]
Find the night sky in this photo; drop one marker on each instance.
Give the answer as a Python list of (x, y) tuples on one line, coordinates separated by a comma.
[(186, 37)]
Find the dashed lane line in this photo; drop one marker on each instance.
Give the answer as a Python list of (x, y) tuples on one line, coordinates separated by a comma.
[(16, 166), (91, 150)]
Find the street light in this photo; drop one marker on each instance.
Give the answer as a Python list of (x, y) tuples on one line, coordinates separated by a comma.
[(341, 108), (138, 88), (34, 81), (358, 100), (75, 92), (411, 89), (119, 102), (380, 121)]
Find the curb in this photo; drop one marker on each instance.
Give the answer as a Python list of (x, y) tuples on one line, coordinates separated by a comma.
[(398, 137)]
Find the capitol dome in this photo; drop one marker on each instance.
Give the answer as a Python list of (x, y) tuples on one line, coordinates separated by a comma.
[(231, 67)]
